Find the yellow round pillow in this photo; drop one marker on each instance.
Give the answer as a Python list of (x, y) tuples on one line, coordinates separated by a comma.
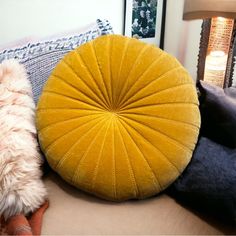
[(118, 118)]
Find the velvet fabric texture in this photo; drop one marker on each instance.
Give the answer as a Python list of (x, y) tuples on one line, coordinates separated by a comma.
[(118, 118), (209, 181), (218, 113)]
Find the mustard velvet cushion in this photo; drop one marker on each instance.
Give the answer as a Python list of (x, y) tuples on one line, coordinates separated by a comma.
[(118, 118)]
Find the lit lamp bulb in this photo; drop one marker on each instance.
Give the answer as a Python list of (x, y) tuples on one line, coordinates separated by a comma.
[(215, 66), (216, 60), (221, 18)]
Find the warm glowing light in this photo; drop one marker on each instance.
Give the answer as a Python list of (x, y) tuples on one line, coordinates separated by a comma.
[(217, 53), (218, 49), (216, 61), (221, 18)]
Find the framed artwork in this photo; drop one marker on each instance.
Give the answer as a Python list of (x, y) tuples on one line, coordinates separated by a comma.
[(145, 20)]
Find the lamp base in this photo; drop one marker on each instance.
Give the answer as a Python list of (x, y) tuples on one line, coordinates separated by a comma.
[(215, 54)]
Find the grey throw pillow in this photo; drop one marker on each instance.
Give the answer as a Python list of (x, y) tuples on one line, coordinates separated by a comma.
[(40, 58)]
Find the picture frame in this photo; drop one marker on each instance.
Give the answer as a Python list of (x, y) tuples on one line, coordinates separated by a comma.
[(145, 20)]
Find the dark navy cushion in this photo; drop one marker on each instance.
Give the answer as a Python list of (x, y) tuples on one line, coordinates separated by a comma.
[(218, 113), (209, 181)]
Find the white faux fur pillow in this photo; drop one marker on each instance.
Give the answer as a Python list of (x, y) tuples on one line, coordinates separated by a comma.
[(21, 187)]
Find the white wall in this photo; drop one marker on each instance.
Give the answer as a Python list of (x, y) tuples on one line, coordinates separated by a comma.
[(23, 18), (181, 37), (40, 18)]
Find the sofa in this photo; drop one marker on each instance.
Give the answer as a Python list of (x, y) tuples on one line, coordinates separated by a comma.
[(73, 212)]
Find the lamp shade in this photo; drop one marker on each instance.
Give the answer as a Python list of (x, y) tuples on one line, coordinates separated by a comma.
[(201, 9)]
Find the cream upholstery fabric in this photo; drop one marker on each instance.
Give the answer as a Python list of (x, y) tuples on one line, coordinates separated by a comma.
[(72, 212)]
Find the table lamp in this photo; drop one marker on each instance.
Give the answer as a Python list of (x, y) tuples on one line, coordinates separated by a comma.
[(217, 38)]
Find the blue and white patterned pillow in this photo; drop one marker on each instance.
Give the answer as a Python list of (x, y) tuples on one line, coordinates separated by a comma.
[(41, 58)]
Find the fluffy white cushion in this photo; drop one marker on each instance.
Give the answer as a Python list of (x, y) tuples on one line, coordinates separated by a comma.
[(21, 189)]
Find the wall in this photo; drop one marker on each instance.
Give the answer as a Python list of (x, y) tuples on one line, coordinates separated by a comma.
[(23, 18), (181, 37)]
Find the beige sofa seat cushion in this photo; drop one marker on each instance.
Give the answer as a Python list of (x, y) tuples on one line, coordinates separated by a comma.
[(73, 212)]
